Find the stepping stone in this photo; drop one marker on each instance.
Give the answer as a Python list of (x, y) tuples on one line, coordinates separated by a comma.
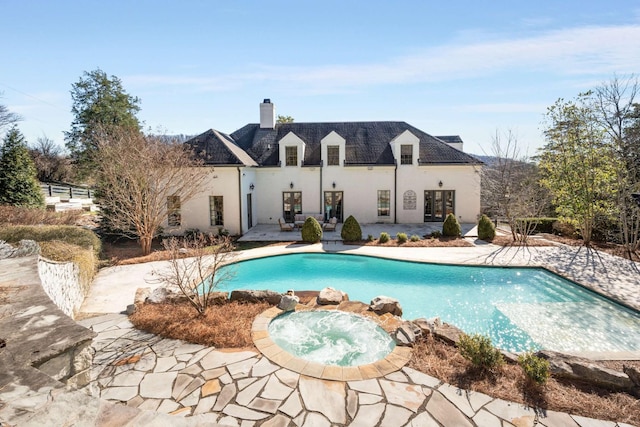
[(277, 421), (193, 386), (423, 419), (182, 381), (150, 404), (486, 418), (199, 355), (188, 348), (327, 397), (397, 376), (402, 394), (368, 399), (367, 386), (421, 378), (129, 378), (228, 392), (263, 368), (458, 397), (163, 364), (509, 410), (395, 416), (215, 359), (205, 405), (245, 382), (316, 420), (275, 389), (167, 406), (213, 373), (211, 387), (248, 394), (288, 378), (122, 394), (445, 412), (228, 421), (292, 406), (157, 385), (265, 405), (368, 415), (241, 369), (146, 363), (192, 399), (243, 413), (352, 403)]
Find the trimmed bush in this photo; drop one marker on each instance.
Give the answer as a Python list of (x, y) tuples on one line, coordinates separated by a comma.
[(486, 228), (535, 368), (435, 234), (401, 238), (351, 230), (540, 225), (415, 238), (479, 350), (384, 237), (451, 226), (370, 238), (311, 230)]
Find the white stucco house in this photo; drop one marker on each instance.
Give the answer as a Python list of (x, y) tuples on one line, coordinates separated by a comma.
[(379, 172)]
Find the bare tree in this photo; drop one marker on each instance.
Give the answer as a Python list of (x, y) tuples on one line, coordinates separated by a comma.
[(619, 113), (51, 163), (510, 187), (195, 267), (7, 117), (139, 176)]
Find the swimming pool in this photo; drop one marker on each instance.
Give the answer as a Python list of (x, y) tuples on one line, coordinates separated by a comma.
[(519, 308)]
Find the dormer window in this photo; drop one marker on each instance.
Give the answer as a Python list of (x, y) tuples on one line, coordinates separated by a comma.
[(406, 154), (291, 156), (333, 155)]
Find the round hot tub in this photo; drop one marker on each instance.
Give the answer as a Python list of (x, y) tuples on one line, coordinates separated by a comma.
[(331, 337)]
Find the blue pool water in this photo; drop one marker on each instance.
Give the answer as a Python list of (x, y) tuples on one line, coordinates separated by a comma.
[(519, 308)]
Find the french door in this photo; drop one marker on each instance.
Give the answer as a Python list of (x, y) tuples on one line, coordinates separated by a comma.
[(291, 205), (333, 205), (438, 204)]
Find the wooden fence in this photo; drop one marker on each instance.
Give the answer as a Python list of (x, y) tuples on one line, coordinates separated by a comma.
[(66, 191)]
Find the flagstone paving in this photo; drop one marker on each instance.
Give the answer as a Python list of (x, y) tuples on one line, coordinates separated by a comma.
[(243, 388)]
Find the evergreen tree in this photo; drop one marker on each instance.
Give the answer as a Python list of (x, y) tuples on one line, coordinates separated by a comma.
[(18, 183), (100, 104)]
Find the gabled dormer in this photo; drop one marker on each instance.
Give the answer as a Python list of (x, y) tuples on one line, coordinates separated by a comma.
[(405, 148), (291, 150), (333, 149)]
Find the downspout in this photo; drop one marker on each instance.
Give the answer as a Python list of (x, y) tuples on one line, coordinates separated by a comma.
[(395, 193), (321, 200), (240, 198)]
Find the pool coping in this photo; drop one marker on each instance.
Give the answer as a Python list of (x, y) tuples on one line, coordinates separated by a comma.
[(392, 362)]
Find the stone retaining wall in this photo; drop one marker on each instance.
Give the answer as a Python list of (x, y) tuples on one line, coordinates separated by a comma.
[(61, 281)]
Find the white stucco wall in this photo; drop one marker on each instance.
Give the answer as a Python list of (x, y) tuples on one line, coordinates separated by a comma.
[(61, 281)]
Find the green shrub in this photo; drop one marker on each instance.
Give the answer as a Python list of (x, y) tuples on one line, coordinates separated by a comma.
[(451, 226), (435, 234), (479, 350), (311, 230), (351, 230), (540, 225), (415, 238), (535, 368), (401, 237), (384, 237), (370, 238), (192, 233), (45, 233), (486, 228)]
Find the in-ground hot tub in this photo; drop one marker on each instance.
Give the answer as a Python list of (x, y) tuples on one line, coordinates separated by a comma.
[(328, 344), (331, 337)]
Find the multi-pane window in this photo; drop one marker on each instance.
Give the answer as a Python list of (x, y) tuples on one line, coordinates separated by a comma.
[(173, 208), (384, 202), (406, 154), (216, 211), (291, 156), (333, 155)]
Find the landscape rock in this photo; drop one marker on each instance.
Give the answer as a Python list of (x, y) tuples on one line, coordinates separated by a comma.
[(633, 373), (141, 295), (563, 365), (218, 297), (271, 297), (158, 296), (288, 302), (427, 326), (382, 304), (448, 333), (406, 335), (131, 308), (25, 248), (330, 296)]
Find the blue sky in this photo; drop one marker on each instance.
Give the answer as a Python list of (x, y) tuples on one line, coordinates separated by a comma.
[(466, 67)]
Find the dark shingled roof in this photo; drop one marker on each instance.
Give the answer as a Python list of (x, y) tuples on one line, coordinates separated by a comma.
[(217, 148), (366, 143)]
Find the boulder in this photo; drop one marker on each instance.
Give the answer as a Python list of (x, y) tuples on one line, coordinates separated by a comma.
[(406, 335), (288, 302), (382, 304), (158, 296), (448, 333), (272, 297), (218, 297), (427, 326), (330, 296), (141, 295), (633, 373), (578, 368)]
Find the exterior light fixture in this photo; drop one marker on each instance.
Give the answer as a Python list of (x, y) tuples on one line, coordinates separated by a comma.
[(334, 184), (291, 185), (251, 187), (440, 184)]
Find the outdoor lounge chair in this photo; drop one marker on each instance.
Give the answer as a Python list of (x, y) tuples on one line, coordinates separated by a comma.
[(285, 226), (331, 225)]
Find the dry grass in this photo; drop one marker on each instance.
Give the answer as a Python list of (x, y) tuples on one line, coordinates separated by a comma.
[(222, 326), (442, 242), (509, 382), (16, 215), (229, 326)]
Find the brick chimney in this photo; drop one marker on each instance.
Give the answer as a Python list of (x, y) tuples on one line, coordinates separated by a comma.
[(267, 114)]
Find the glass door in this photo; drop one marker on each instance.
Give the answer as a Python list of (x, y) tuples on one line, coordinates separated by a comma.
[(291, 205), (437, 204), (333, 205)]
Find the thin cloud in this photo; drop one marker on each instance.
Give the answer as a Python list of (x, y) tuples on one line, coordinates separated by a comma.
[(585, 51)]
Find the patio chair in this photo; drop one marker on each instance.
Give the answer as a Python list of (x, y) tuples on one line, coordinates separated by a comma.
[(285, 226), (331, 225)]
